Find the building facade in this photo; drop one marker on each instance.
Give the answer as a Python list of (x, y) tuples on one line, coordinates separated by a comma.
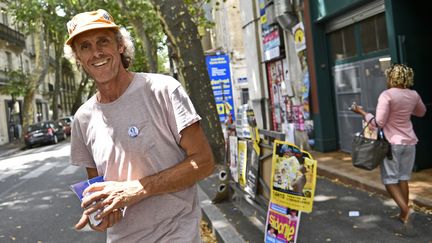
[(350, 44), (307, 61), (17, 53)]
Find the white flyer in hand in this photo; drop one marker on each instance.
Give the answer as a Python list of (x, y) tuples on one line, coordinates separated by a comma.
[(79, 188)]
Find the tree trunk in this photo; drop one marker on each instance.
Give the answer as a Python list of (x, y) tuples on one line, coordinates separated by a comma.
[(58, 82), (183, 35), (37, 76), (79, 93), (150, 48)]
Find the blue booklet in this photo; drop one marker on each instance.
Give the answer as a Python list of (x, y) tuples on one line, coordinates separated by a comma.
[(79, 188)]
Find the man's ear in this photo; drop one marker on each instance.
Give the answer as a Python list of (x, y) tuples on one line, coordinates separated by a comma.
[(121, 48)]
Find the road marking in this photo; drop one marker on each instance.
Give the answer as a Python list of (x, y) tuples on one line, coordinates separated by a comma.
[(71, 169), (39, 171)]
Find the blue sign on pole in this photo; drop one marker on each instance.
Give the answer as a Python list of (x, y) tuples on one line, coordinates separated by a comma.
[(220, 77)]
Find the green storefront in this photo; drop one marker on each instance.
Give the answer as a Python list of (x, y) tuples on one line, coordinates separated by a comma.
[(350, 44)]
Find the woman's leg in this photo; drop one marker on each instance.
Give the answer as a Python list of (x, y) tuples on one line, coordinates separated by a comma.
[(395, 174), (397, 195), (403, 185)]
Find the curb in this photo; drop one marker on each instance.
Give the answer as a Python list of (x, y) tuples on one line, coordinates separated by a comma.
[(223, 229), (9, 152)]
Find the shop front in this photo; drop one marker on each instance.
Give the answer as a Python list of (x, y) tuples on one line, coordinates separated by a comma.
[(351, 43)]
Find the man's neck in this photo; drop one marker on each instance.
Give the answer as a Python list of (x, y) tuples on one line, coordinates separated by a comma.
[(111, 91)]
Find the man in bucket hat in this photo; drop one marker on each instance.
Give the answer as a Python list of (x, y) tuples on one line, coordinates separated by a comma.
[(142, 133)]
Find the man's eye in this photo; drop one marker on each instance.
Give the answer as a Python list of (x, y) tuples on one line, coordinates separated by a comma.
[(84, 46)]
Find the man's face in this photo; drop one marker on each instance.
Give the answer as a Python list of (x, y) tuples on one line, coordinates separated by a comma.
[(99, 54)]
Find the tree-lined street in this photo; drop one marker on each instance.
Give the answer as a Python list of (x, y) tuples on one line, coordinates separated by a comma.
[(36, 204)]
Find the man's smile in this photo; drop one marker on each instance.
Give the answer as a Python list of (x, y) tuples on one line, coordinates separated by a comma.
[(100, 63)]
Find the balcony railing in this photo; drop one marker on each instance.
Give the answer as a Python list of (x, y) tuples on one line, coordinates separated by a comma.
[(12, 36), (3, 77)]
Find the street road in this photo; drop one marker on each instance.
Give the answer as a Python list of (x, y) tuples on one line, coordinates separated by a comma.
[(36, 204)]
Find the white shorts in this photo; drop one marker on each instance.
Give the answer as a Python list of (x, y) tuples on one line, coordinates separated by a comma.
[(400, 167)]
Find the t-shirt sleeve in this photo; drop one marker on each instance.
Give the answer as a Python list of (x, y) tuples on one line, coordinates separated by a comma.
[(80, 154), (183, 111), (420, 108)]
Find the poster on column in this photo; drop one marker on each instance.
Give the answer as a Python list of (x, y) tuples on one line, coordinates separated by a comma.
[(253, 155), (218, 68), (233, 141), (299, 37), (275, 74), (242, 162), (293, 177), (282, 224)]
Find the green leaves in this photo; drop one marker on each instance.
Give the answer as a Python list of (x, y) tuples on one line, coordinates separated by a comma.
[(17, 84)]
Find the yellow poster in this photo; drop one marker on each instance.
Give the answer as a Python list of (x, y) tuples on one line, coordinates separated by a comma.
[(293, 177), (242, 162)]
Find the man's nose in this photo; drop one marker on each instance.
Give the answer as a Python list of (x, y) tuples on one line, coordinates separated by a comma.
[(97, 52)]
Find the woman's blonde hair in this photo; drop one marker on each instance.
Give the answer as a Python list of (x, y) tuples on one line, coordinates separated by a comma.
[(400, 75)]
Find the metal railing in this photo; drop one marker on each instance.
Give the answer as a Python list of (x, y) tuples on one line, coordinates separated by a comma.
[(12, 36)]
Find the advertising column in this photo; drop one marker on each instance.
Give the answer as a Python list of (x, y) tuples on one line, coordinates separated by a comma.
[(218, 68)]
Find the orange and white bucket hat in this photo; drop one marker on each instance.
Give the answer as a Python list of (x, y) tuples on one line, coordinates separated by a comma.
[(85, 21)]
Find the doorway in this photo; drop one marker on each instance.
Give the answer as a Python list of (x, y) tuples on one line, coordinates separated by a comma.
[(359, 56)]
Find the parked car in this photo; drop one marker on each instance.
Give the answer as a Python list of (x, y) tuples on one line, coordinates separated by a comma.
[(44, 133), (66, 123)]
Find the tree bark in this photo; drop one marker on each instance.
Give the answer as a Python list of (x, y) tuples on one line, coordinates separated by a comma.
[(37, 76), (58, 81), (79, 93), (183, 35)]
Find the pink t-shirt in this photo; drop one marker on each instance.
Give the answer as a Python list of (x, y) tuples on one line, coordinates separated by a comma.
[(393, 113), (135, 136)]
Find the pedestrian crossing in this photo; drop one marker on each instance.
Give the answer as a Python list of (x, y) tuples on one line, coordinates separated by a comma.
[(71, 169), (37, 172), (27, 164)]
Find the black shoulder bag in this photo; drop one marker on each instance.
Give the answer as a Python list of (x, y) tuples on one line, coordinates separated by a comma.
[(368, 153)]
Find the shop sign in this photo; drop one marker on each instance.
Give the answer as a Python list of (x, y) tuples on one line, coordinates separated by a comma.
[(271, 42)]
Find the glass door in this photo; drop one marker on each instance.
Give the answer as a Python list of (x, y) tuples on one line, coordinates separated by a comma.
[(359, 57)]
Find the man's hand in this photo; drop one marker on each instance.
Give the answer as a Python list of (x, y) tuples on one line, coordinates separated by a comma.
[(106, 223), (111, 196)]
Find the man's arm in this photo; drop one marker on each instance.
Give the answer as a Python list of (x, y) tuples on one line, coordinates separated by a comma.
[(198, 164), (91, 172)]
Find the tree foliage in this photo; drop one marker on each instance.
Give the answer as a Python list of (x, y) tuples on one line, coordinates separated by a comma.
[(17, 84), (149, 21)]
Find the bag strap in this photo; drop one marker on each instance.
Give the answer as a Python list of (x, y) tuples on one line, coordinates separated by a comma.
[(380, 132), (364, 128)]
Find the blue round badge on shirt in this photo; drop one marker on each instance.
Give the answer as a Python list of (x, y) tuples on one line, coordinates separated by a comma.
[(133, 131)]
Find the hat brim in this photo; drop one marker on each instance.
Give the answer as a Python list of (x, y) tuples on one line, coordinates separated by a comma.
[(90, 27)]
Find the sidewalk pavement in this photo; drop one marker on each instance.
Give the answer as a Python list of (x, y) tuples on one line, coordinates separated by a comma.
[(333, 165), (338, 165), (10, 148)]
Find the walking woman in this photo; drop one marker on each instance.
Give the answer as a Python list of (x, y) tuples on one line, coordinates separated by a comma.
[(395, 107)]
